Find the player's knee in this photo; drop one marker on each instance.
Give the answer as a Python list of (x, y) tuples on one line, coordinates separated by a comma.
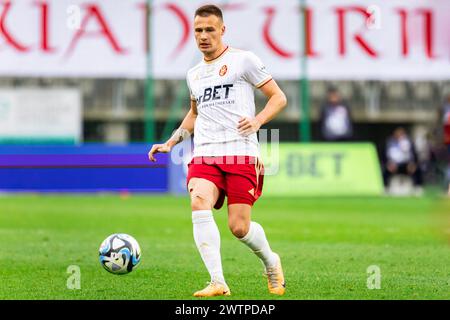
[(238, 229), (199, 203)]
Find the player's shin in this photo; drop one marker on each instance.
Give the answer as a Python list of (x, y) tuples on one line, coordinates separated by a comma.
[(207, 239), (256, 240)]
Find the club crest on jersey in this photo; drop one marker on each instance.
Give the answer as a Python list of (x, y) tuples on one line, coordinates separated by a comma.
[(223, 70)]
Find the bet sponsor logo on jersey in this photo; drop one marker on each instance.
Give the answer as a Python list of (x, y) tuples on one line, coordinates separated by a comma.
[(220, 92)]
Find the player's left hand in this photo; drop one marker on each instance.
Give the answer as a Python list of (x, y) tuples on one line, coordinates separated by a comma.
[(247, 126)]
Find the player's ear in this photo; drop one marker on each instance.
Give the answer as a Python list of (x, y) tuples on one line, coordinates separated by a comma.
[(223, 29)]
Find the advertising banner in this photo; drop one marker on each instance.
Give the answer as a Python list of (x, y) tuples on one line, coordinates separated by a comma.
[(351, 39), (86, 168), (40, 115), (350, 169)]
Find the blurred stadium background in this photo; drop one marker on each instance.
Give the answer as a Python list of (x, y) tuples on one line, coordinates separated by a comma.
[(86, 86)]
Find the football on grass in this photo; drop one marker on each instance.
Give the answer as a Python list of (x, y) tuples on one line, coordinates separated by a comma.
[(119, 253)]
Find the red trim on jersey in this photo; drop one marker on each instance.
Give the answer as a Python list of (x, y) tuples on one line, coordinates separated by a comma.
[(265, 83), (218, 55)]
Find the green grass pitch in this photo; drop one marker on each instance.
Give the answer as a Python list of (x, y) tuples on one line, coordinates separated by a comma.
[(326, 246)]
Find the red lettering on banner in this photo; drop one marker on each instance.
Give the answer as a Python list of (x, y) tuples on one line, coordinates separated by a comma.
[(46, 39), (404, 31), (7, 35), (184, 24), (308, 14), (270, 11), (428, 32), (145, 9), (93, 12), (44, 28), (341, 12)]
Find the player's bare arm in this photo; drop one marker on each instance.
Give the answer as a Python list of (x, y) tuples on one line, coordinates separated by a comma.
[(275, 104), (182, 133)]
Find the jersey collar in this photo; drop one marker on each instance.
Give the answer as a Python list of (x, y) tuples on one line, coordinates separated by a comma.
[(216, 58)]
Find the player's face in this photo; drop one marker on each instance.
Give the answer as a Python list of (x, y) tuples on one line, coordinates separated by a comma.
[(334, 98), (208, 34)]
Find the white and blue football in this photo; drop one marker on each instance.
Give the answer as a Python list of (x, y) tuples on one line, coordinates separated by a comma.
[(120, 253)]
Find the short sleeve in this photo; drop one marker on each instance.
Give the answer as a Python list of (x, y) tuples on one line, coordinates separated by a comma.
[(191, 95), (255, 71)]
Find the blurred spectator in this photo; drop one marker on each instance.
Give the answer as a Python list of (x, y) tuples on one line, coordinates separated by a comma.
[(446, 122), (421, 138), (401, 158), (440, 146), (335, 118), (446, 131)]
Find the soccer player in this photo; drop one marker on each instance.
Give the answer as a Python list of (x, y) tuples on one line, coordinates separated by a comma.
[(226, 150)]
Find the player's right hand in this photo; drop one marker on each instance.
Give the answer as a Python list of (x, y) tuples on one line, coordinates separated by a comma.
[(158, 148)]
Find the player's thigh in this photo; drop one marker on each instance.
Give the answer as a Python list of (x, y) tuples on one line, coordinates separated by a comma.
[(243, 184), (204, 193), (239, 216)]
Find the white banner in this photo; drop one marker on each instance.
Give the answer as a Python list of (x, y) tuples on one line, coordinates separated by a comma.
[(347, 39), (40, 114)]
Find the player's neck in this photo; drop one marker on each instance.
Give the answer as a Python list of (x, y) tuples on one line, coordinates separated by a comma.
[(216, 54)]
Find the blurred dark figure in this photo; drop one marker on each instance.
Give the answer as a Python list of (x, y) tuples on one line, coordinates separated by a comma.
[(335, 118), (446, 132), (446, 122), (401, 158), (440, 146)]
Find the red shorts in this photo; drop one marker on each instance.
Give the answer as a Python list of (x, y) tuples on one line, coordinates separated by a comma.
[(240, 178)]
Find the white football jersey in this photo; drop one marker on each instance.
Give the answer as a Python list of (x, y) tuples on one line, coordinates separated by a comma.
[(224, 91)]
